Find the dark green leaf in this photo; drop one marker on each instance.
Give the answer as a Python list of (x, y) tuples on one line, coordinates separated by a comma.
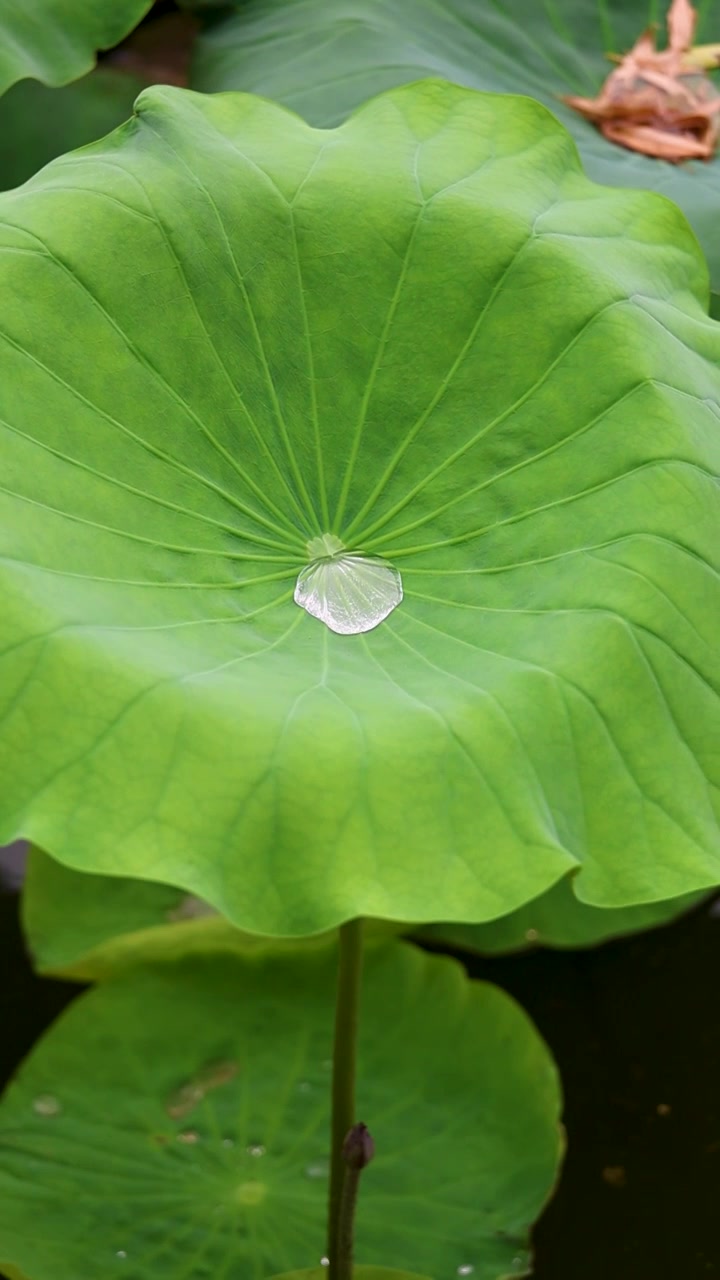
[(56, 41), (37, 124), (174, 1124)]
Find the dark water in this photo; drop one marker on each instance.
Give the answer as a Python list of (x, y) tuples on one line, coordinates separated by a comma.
[(634, 1026), (635, 1029)]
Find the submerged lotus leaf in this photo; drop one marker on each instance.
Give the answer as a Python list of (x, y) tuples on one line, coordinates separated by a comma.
[(56, 40), (183, 1112), (424, 334), (324, 57)]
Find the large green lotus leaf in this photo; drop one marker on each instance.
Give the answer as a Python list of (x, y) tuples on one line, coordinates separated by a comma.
[(324, 57), (37, 124), (56, 41), (183, 1113), (558, 919), (88, 927), (225, 332)]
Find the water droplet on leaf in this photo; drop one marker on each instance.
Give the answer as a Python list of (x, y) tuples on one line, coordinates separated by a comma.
[(317, 1169), (121, 1253), (46, 1105), (324, 1262), (465, 1270), (350, 593), (228, 1142), (256, 1149), (189, 1137)]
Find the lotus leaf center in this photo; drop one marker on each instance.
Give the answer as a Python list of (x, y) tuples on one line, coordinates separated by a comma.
[(251, 1193)]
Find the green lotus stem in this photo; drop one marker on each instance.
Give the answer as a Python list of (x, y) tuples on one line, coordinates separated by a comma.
[(343, 1085)]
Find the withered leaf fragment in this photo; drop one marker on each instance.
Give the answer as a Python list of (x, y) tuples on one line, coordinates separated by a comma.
[(659, 102), (188, 1097)]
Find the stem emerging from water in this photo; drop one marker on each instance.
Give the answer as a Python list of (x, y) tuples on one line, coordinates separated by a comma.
[(343, 1090)]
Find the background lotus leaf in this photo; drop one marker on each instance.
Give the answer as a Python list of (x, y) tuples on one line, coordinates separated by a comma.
[(183, 1112), (324, 57), (37, 123), (56, 41), (88, 927), (558, 919), (455, 352)]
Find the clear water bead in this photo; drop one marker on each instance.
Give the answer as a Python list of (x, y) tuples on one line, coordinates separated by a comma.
[(465, 1270), (46, 1105), (350, 593)]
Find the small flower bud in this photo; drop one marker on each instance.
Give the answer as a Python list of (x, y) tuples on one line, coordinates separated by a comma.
[(358, 1147)]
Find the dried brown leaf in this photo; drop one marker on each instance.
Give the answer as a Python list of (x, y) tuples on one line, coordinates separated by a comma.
[(659, 102), (655, 142), (681, 22)]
